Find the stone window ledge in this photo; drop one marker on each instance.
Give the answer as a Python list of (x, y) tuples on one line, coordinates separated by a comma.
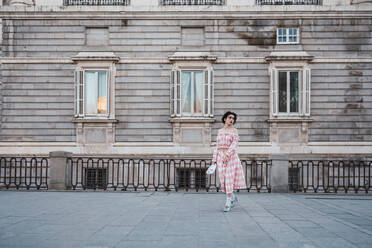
[(289, 56), (191, 120), (192, 56), (289, 120), (96, 56), (95, 120)]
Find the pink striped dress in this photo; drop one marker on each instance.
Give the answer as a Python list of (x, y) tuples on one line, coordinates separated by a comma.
[(230, 173)]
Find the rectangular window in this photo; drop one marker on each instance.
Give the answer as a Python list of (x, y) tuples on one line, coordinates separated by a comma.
[(92, 93), (95, 92), (287, 35), (288, 94), (191, 93), (290, 91)]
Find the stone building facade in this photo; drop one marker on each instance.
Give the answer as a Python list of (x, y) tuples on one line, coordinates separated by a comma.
[(153, 78)]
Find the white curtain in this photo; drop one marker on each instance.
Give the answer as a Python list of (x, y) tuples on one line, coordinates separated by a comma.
[(198, 92), (90, 93), (186, 92)]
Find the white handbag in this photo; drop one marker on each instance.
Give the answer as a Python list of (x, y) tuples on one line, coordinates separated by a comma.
[(211, 169)]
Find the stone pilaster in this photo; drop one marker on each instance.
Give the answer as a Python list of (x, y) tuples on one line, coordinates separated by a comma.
[(279, 173), (59, 176)]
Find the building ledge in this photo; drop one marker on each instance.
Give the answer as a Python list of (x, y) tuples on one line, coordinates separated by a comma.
[(192, 120), (94, 120), (300, 55), (96, 56), (187, 56), (289, 120)]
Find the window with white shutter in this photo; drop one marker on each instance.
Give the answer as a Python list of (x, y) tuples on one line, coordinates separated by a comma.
[(92, 92), (191, 93), (290, 91)]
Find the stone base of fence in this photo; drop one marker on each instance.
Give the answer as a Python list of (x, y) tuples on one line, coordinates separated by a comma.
[(279, 173), (59, 172)]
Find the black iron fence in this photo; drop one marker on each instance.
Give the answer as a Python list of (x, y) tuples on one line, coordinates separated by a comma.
[(159, 174), (288, 2), (96, 2), (192, 2), (330, 176), (26, 173)]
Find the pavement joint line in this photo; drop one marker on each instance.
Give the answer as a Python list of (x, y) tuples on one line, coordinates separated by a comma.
[(339, 220), (345, 240), (332, 198), (345, 210)]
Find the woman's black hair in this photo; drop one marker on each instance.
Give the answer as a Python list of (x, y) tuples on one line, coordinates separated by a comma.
[(227, 114)]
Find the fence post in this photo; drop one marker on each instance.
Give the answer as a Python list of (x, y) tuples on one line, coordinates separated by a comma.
[(59, 178), (279, 173)]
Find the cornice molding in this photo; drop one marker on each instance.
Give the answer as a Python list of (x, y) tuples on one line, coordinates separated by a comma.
[(165, 60), (185, 12)]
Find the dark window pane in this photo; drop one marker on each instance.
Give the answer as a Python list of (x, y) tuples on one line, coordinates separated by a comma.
[(282, 91), (293, 92)]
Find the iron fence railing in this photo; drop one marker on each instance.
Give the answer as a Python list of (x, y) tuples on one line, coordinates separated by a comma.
[(192, 2), (23, 172), (330, 176), (95, 2), (159, 174), (288, 2)]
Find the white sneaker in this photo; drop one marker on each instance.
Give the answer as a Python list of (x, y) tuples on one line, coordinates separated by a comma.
[(234, 201), (227, 207)]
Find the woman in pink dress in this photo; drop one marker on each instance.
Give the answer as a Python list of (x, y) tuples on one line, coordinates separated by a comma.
[(225, 155)]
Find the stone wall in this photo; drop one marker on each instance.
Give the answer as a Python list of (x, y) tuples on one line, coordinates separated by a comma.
[(38, 95)]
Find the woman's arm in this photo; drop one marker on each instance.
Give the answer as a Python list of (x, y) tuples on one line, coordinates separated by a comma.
[(214, 159)]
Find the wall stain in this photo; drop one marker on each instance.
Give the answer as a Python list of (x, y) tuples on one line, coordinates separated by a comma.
[(355, 73), (255, 37)]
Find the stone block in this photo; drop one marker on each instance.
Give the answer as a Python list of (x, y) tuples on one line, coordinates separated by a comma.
[(279, 173), (58, 170)]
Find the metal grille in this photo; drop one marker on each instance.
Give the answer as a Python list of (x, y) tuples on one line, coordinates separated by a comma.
[(191, 178), (96, 178), (24, 173), (183, 178), (330, 176), (95, 2), (192, 2), (159, 174), (288, 2)]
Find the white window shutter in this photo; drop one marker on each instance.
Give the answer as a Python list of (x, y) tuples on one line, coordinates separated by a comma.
[(301, 90), (274, 91), (172, 93), (108, 99), (206, 93), (178, 93), (211, 92), (78, 81), (175, 93), (306, 89)]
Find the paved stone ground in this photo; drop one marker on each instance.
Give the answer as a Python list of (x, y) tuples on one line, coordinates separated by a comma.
[(182, 220)]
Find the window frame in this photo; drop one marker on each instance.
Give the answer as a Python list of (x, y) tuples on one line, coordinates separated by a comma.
[(287, 35), (192, 113), (107, 91), (80, 92), (304, 91), (288, 91), (176, 92)]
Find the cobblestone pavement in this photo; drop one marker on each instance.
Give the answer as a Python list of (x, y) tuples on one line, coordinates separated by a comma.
[(182, 220)]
